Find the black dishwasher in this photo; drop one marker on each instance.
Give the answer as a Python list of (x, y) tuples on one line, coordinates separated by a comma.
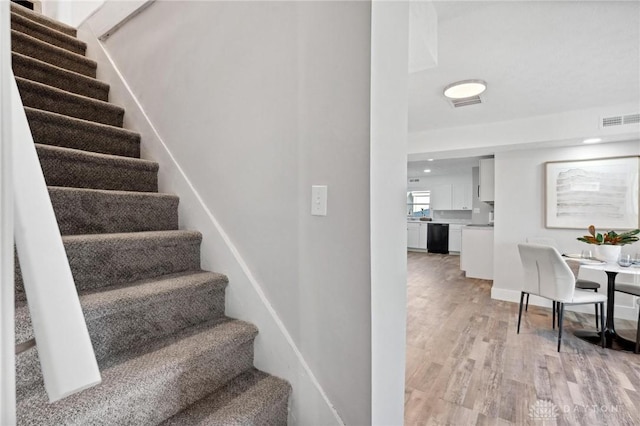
[(438, 238)]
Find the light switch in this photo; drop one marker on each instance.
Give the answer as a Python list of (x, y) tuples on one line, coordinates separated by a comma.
[(319, 200), (476, 209)]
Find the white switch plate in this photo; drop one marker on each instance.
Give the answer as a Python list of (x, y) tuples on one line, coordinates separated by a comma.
[(319, 200), (476, 209)]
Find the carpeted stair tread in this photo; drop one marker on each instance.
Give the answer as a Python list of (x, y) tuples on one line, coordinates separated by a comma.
[(102, 260), (49, 128), (43, 20), (47, 34), (95, 211), (252, 398), (124, 316), (42, 72), (98, 303), (81, 169), (42, 96), (31, 46), (152, 383)]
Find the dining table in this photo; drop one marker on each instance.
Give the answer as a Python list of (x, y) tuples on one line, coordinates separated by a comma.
[(612, 339)]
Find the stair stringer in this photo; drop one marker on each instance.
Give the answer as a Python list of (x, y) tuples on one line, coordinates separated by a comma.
[(275, 351)]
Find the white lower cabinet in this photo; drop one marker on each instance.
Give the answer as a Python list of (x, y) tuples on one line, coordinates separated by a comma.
[(476, 256), (413, 235), (423, 235), (417, 235), (455, 238)]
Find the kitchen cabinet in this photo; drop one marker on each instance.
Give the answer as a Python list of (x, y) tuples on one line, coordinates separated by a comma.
[(422, 242), (455, 238), (461, 197), (476, 254), (487, 180), (413, 235), (417, 235), (441, 197), (451, 197)]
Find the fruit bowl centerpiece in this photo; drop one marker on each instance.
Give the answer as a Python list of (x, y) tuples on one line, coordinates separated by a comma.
[(609, 245)]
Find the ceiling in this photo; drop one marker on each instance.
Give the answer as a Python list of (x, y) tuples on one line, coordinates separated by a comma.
[(538, 58)]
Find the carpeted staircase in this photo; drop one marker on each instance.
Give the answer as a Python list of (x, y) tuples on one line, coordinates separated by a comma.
[(167, 353)]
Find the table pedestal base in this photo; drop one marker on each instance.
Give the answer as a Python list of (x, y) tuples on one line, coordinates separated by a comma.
[(612, 340)]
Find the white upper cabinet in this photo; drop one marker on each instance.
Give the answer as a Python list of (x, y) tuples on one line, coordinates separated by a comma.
[(487, 180), (461, 197), (451, 197), (441, 197)]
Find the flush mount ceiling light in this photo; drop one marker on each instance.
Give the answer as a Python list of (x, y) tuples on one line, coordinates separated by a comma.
[(592, 140), (429, 159), (427, 170), (465, 89)]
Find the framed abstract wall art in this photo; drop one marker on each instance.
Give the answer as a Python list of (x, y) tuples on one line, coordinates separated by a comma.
[(601, 192)]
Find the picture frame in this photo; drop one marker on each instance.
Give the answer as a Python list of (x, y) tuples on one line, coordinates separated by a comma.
[(602, 192)]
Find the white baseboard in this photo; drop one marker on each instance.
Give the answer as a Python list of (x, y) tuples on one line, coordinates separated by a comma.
[(621, 311), (275, 350)]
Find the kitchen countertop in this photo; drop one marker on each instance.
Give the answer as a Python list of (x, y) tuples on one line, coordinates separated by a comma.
[(475, 226), (438, 221)]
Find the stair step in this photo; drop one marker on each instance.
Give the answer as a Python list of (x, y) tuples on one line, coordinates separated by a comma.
[(47, 34), (94, 211), (252, 398), (46, 52), (150, 384), (42, 96), (43, 20), (126, 316), (51, 75), (80, 169), (103, 260), (49, 128)]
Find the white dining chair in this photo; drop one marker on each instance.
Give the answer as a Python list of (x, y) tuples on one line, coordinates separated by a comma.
[(580, 283), (547, 275)]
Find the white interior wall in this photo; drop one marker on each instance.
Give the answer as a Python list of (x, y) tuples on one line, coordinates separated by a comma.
[(333, 279), (256, 102), (519, 213), (71, 12), (389, 97)]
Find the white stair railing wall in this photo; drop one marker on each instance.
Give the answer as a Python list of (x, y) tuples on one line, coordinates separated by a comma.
[(7, 345), (64, 347)]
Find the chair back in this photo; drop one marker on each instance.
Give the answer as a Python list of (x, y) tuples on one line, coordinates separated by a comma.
[(546, 274)]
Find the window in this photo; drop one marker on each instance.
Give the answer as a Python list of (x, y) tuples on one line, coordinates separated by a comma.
[(418, 203)]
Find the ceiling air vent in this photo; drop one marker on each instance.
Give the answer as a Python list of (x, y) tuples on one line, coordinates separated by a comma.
[(631, 119), (457, 103), (620, 120)]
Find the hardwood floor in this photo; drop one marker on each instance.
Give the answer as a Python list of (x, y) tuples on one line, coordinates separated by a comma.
[(467, 366)]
